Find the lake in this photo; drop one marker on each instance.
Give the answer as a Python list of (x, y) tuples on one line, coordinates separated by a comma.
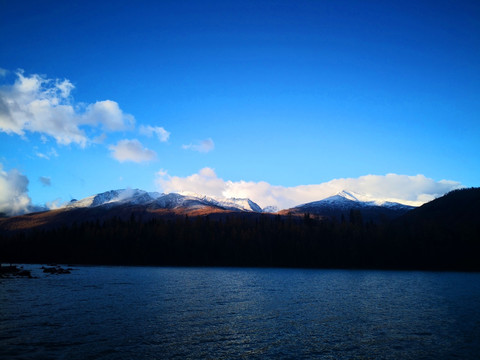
[(102, 312)]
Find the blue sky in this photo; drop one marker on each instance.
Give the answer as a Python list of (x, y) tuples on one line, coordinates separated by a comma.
[(283, 93)]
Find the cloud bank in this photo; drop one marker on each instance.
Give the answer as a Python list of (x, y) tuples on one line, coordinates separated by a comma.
[(202, 146), (131, 150), (410, 190), (14, 197), (40, 105)]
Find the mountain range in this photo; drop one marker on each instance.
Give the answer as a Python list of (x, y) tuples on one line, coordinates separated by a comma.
[(155, 200), (135, 227), (124, 203)]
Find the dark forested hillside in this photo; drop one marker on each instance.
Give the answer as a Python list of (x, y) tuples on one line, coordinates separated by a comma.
[(443, 234), (456, 207)]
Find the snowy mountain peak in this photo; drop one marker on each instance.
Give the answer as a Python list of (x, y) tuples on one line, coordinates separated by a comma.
[(349, 195), (114, 197), (346, 198), (366, 199), (243, 204), (270, 209), (341, 197), (342, 203)]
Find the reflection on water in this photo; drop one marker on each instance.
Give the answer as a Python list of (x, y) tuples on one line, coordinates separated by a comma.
[(182, 313)]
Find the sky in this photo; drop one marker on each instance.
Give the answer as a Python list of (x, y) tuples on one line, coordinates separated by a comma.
[(284, 102)]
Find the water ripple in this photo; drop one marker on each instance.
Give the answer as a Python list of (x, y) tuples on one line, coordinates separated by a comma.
[(191, 313)]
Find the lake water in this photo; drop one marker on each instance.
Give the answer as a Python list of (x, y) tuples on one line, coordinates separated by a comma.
[(218, 313)]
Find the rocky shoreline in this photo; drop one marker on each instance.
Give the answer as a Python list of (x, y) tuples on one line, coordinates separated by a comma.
[(17, 271)]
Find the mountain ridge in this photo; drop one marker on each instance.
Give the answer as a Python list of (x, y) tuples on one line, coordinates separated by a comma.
[(125, 203), (157, 200), (142, 197)]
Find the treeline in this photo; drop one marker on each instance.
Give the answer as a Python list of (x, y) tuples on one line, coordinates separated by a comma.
[(263, 241)]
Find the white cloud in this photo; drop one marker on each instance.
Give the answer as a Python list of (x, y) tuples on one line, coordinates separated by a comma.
[(412, 190), (100, 139), (109, 115), (51, 153), (203, 146), (46, 181), (14, 197), (161, 133), (37, 104), (55, 204), (131, 150), (205, 182), (42, 156)]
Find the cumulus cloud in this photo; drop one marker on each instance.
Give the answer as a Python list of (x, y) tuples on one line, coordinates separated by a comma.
[(14, 197), (159, 131), (411, 190), (38, 104), (108, 114), (131, 150), (203, 146), (46, 181)]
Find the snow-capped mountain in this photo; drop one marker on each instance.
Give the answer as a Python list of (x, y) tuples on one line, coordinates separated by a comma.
[(115, 197), (270, 209), (333, 206), (341, 203), (154, 200), (345, 197), (128, 204), (245, 204), (227, 203)]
